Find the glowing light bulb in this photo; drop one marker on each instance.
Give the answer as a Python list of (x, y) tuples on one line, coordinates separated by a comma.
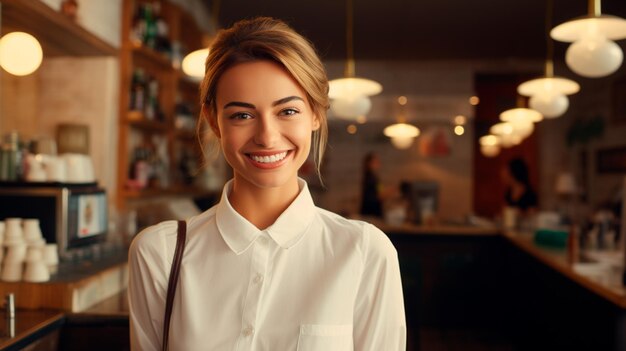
[(550, 105), (20, 53), (351, 107), (594, 56)]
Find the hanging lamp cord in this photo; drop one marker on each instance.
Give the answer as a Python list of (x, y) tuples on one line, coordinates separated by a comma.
[(349, 38), (549, 43)]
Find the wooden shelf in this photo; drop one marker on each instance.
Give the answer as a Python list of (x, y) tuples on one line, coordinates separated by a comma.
[(147, 54), (58, 35), (186, 135), (137, 120)]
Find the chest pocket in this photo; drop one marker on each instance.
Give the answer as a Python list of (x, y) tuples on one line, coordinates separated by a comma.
[(321, 337)]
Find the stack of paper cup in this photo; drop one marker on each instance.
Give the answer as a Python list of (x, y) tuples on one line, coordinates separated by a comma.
[(51, 257), (32, 232), (13, 261), (13, 231), (36, 269)]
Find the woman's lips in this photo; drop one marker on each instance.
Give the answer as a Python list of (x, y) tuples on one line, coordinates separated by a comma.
[(268, 160)]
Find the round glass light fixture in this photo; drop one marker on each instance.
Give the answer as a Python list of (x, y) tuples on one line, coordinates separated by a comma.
[(551, 106), (193, 64), (489, 145), (522, 120), (343, 88), (402, 134), (506, 134), (20, 53), (402, 143), (593, 52), (521, 114), (352, 107), (401, 130)]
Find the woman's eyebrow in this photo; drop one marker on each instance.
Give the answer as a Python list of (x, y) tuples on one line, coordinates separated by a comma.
[(239, 104), (286, 100)]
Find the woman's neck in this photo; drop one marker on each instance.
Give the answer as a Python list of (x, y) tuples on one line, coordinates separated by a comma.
[(261, 206)]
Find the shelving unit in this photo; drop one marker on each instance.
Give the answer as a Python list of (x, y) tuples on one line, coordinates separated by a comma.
[(135, 127), (58, 35)]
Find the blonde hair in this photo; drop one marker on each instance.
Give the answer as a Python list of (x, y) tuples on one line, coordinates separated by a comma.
[(265, 38)]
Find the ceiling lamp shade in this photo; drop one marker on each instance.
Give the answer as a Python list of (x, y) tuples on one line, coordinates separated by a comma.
[(351, 107), (593, 52), (20, 53), (352, 92), (522, 120), (548, 95), (401, 134), (489, 145), (193, 64), (351, 87), (506, 134)]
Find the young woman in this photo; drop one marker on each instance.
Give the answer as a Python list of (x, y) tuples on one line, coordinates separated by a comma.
[(265, 269)]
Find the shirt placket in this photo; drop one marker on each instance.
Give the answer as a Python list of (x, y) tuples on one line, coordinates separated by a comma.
[(258, 271)]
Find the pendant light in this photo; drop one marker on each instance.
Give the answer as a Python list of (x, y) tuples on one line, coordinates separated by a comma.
[(350, 95), (489, 145), (193, 64), (20, 53), (522, 120), (593, 53), (402, 134), (548, 94)]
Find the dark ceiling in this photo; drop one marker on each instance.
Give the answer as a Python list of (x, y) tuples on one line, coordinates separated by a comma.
[(421, 29)]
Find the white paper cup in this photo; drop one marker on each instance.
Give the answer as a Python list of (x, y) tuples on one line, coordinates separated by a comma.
[(16, 253), (36, 272), (13, 232), (51, 255), (11, 271), (32, 229), (34, 254), (1, 232)]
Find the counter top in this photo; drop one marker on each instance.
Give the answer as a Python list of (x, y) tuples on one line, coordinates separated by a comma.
[(75, 286), (28, 326), (438, 229), (610, 289)]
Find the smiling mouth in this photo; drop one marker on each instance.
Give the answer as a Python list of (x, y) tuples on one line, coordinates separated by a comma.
[(269, 159)]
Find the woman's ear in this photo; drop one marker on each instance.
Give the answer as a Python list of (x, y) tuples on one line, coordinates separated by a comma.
[(209, 116), (316, 122)]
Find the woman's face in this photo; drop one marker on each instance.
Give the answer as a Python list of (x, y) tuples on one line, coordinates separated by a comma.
[(264, 123)]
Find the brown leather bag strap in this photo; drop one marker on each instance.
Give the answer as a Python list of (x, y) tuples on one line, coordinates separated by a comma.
[(173, 282)]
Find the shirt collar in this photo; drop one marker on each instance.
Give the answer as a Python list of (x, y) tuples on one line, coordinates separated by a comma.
[(290, 226)]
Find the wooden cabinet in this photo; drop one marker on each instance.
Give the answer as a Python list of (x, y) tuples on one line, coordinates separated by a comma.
[(159, 104)]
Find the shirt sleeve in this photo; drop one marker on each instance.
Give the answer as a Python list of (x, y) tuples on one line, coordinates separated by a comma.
[(379, 321), (146, 290)]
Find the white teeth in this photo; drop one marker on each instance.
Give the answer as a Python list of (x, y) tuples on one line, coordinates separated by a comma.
[(269, 159)]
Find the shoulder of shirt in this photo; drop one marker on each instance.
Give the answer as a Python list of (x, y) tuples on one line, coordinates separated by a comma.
[(151, 239), (374, 241)]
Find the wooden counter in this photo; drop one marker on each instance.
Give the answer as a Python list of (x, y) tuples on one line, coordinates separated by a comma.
[(31, 327), (75, 287), (558, 260)]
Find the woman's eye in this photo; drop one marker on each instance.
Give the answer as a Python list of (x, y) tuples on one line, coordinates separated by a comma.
[(241, 115), (289, 112)]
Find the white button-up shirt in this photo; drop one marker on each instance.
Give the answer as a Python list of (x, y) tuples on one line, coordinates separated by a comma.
[(311, 281)]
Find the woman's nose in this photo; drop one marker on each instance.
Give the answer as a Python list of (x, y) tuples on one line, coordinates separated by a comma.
[(267, 132)]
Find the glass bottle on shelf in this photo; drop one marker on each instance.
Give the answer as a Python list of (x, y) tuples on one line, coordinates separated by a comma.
[(138, 30), (137, 90), (162, 41), (150, 34)]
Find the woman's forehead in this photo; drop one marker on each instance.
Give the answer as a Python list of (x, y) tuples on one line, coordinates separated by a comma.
[(260, 80)]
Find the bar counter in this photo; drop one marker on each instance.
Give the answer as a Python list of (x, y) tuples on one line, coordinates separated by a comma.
[(450, 273)]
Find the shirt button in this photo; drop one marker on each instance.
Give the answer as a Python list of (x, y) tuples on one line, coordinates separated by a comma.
[(258, 279), (248, 331), (262, 240)]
